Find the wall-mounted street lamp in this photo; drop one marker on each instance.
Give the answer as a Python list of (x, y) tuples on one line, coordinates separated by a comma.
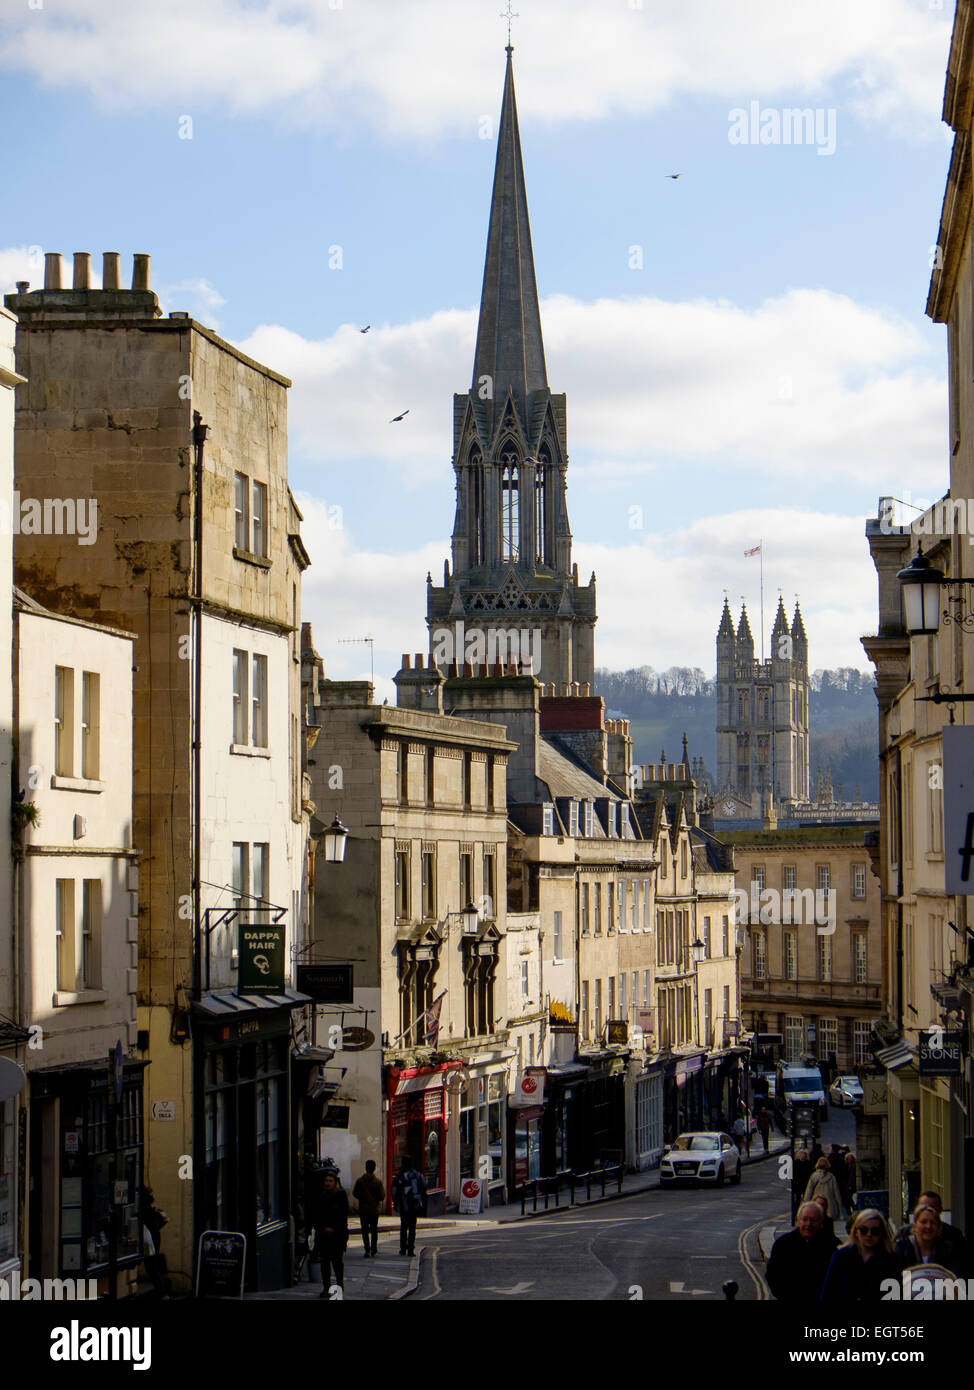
[(699, 950), (334, 840), (922, 585), (468, 917)]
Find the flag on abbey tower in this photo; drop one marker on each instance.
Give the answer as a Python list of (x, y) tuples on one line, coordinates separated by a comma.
[(755, 551)]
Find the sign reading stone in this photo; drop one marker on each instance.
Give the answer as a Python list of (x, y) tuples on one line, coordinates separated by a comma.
[(939, 1053), (261, 958), (326, 984)]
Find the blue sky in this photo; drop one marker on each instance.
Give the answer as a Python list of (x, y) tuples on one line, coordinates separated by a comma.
[(768, 372)]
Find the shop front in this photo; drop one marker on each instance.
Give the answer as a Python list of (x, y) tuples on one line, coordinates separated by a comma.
[(242, 1126), (416, 1127), (483, 1141), (86, 1163)]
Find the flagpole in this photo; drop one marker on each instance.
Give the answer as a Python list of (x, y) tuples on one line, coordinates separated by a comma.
[(761, 552)]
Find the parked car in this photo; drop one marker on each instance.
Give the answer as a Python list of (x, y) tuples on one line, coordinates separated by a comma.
[(846, 1090), (701, 1157)]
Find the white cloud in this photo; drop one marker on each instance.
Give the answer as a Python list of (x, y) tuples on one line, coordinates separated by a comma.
[(428, 66), (809, 383)]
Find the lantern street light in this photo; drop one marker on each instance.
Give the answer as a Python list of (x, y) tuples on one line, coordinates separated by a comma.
[(334, 840), (921, 583), (699, 950)]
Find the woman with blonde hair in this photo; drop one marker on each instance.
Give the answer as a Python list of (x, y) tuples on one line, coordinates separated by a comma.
[(860, 1266), (822, 1183), (926, 1243)]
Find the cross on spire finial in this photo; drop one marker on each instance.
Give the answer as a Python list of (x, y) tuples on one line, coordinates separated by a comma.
[(509, 14)]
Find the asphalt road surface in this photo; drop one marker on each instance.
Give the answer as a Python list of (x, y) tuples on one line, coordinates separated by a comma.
[(663, 1244)]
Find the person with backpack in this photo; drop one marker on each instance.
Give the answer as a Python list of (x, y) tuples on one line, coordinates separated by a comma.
[(409, 1200)]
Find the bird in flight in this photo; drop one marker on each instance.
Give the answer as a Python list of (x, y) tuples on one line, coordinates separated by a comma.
[(397, 418), (366, 328), (671, 176)]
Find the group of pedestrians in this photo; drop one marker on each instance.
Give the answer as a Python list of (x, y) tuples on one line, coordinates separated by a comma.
[(829, 1179), (330, 1216), (808, 1264)]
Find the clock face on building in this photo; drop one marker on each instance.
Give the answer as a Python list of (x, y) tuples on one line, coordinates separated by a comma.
[(728, 808)]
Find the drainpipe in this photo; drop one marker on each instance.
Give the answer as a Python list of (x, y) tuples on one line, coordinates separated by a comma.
[(200, 432)]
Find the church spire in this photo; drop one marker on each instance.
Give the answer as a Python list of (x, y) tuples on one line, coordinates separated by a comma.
[(510, 350)]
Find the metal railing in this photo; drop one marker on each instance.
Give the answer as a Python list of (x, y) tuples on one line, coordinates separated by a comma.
[(568, 1182)]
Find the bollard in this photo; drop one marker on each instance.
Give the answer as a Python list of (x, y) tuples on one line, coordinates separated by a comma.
[(729, 1290)]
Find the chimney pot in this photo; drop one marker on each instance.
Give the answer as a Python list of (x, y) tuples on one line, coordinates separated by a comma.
[(140, 271), (419, 661), (23, 286), (82, 270), (52, 270), (454, 669), (407, 662), (467, 670), (110, 273)]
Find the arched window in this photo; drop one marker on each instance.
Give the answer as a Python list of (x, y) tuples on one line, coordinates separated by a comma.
[(510, 506), (541, 475), (477, 534)]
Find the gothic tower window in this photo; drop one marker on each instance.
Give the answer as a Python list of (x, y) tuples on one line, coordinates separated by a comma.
[(510, 507), (541, 508), (478, 547)]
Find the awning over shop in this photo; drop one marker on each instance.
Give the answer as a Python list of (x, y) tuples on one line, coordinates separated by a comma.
[(899, 1055), (224, 1003)]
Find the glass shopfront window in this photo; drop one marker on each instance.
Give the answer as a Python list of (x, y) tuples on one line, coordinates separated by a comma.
[(496, 1107), (99, 1175), (8, 1179), (468, 1140)]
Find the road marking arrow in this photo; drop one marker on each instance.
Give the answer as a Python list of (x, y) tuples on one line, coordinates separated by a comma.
[(678, 1286), (514, 1290)]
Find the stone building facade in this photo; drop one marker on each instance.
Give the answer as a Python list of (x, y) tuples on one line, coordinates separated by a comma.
[(178, 441)]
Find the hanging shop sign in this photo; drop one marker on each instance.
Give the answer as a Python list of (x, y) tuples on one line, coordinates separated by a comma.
[(261, 958), (326, 984), (939, 1052)]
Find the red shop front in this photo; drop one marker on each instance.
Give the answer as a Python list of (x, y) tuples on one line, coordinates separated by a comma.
[(417, 1119)]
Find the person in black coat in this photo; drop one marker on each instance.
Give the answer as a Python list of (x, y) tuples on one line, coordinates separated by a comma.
[(927, 1244), (799, 1260), (331, 1230), (860, 1268)]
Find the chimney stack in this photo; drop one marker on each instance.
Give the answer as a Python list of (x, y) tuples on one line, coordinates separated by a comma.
[(82, 270), (140, 272)]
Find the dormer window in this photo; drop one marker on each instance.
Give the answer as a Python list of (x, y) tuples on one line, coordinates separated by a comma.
[(589, 818), (548, 819), (573, 818), (613, 812), (625, 820)]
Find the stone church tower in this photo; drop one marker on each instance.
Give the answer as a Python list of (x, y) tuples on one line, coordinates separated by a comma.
[(762, 712), (513, 584)]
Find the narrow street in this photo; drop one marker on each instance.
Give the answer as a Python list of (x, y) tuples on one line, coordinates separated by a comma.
[(662, 1244)]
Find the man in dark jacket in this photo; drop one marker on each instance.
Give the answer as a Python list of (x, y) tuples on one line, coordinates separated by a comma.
[(370, 1194), (409, 1200), (331, 1230), (799, 1259)]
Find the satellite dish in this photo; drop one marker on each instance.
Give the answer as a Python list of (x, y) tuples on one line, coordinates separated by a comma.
[(11, 1079)]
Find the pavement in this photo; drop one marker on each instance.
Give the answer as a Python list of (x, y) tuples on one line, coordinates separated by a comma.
[(391, 1276)]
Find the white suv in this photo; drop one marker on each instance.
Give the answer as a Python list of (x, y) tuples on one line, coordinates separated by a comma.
[(701, 1157)]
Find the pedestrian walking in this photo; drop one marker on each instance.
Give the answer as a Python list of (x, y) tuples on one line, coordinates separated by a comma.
[(764, 1126), (409, 1200), (949, 1233), (860, 1266), (823, 1185), (370, 1194), (848, 1182), (800, 1259), (927, 1244), (331, 1230), (153, 1221), (741, 1136)]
